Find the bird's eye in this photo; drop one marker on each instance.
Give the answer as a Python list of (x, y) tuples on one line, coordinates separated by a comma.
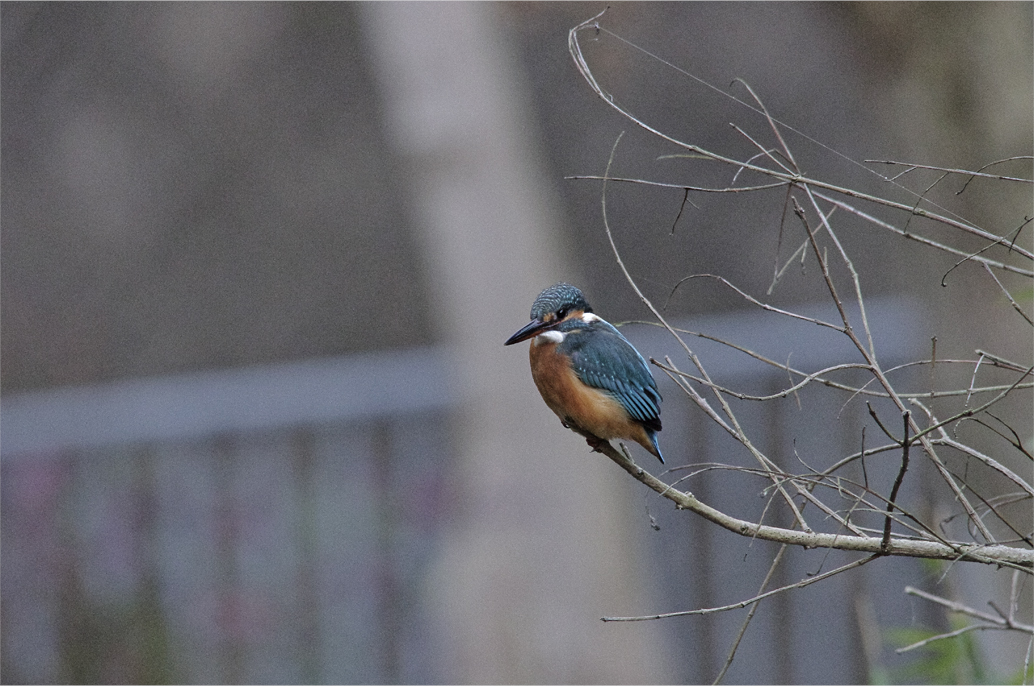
[(561, 313)]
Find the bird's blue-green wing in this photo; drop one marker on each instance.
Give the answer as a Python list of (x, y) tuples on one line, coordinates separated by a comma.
[(604, 359)]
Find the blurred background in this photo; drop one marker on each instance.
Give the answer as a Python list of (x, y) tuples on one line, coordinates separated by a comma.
[(259, 260)]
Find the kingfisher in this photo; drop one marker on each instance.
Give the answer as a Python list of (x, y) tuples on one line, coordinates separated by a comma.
[(588, 373)]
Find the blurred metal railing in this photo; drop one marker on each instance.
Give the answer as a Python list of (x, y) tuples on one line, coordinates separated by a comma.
[(239, 525), (168, 408)]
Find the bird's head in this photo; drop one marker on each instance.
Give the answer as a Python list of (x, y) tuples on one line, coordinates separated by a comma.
[(554, 306)]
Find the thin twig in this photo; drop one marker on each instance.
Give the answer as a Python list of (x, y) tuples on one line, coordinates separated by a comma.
[(905, 443), (740, 435), (949, 634), (1004, 622), (754, 301), (964, 172), (750, 615), (750, 601), (579, 59), (945, 439), (976, 410), (1008, 295), (817, 376), (910, 235), (574, 48), (869, 354)]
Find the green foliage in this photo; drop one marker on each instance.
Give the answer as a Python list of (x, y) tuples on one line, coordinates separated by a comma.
[(954, 660)]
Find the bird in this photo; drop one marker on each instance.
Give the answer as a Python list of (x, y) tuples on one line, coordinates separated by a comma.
[(592, 378)]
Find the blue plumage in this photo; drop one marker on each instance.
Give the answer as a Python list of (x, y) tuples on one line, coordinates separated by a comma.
[(603, 358), (588, 373)]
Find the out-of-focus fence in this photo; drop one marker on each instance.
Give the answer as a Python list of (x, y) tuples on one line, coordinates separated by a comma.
[(252, 525)]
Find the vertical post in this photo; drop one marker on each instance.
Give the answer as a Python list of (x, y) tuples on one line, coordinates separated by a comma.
[(543, 545)]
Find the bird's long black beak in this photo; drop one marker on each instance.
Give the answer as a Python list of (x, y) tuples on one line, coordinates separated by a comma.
[(534, 328)]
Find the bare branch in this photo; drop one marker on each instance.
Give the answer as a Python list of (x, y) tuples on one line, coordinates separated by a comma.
[(905, 443), (952, 550), (750, 601), (749, 617), (973, 174), (851, 516), (1001, 621), (579, 59), (740, 435), (1008, 295), (754, 301), (950, 634)]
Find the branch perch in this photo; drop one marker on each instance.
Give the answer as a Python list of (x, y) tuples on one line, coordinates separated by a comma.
[(987, 554)]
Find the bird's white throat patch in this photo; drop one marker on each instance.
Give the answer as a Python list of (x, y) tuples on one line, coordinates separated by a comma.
[(549, 337)]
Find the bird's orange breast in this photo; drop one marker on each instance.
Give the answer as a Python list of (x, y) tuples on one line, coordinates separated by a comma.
[(587, 410)]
